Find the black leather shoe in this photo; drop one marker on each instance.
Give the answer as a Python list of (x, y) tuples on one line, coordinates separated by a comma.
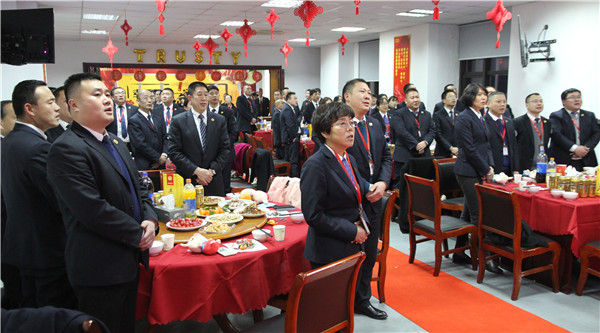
[(493, 267), (461, 259), (370, 311)]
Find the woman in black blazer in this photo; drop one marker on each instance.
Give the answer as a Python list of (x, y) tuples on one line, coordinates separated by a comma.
[(331, 191)]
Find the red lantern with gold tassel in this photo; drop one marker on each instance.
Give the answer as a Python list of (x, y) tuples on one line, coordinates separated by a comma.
[(499, 15), (307, 12), (180, 76), (246, 32)]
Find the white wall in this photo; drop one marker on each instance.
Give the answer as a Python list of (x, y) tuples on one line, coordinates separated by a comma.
[(330, 70), (478, 40), (11, 75)]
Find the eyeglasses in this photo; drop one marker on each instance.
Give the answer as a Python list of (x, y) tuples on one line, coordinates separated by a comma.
[(574, 97), (345, 125)]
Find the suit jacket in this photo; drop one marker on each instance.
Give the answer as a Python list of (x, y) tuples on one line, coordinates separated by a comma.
[(459, 107), (307, 111), (246, 111), (97, 208), (446, 135), (474, 153), (149, 141), (54, 133), (330, 207), (262, 107), (497, 144), (158, 112), (276, 127), (131, 110), (563, 135), (377, 115), (35, 234), (289, 125), (232, 132), (524, 129), (406, 134), (185, 149)]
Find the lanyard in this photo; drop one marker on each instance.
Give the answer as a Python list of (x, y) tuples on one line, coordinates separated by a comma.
[(541, 135), (574, 123), (503, 134), (121, 110), (355, 182), (368, 143)]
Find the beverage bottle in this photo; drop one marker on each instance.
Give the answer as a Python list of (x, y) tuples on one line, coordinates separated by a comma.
[(550, 170), (189, 199), (199, 196), (542, 164), (147, 184), (305, 129)]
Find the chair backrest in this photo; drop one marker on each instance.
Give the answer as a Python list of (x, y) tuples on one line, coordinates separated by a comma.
[(307, 151), (500, 213), (387, 202), (260, 143), (251, 140), (423, 197), (444, 173), (322, 300), (421, 167)]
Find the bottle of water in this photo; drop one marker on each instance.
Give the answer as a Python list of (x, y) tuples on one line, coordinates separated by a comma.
[(551, 168), (542, 164), (147, 184)]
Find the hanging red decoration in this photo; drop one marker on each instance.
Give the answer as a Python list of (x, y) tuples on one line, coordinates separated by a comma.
[(200, 75), (110, 49), (180, 76), (240, 75), (256, 76), (271, 18), (343, 40), (286, 49), (226, 35), (160, 5), (357, 2), (307, 12), (210, 45), (139, 76), (246, 32), (436, 10), (215, 76), (116, 75), (161, 75), (126, 27), (499, 15), (197, 46)]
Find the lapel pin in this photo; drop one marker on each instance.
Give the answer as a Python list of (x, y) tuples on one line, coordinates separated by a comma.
[(115, 141), (582, 114), (212, 119), (370, 124)]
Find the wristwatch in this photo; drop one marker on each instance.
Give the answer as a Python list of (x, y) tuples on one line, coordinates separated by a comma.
[(213, 172)]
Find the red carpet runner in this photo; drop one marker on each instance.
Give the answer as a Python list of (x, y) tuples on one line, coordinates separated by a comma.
[(447, 304)]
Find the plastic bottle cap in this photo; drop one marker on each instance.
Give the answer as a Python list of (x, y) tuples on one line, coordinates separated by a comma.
[(145, 174)]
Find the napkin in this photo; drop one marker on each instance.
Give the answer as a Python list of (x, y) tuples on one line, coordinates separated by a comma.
[(571, 172), (501, 178), (168, 201)]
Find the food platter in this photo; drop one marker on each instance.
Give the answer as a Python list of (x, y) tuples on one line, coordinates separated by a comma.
[(225, 218), (186, 228), (212, 200), (241, 202), (243, 227), (263, 212)]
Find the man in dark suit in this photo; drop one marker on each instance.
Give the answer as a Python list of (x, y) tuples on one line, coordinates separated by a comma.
[(109, 217), (533, 130), (227, 113), (507, 114), (278, 147), (122, 111), (311, 105), (458, 107), (375, 165), (445, 138), (199, 142), (575, 132), (64, 119), (262, 104), (503, 141), (290, 132), (167, 109), (246, 108), (383, 116), (34, 239), (148, 135)]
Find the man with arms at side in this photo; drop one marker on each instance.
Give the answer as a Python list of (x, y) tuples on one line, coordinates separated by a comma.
[(503, 141), (227, 113), (167, 109), (533, 131), (246, 109), (290, 133), (199, 143), (375, 165), (122, 112), (575, 132), (262, 103), (148, 135), (34, 239), (64, 114), (446, 136), (276, 128), (109, 217)]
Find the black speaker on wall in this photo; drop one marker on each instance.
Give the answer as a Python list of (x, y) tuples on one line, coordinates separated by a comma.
[(28, 36)]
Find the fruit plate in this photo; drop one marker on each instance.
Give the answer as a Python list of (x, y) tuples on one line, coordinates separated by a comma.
[(186, 228)]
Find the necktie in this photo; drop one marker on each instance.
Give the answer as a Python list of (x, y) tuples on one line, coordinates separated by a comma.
[(113, 152), (363, 129), (202, 131), (537, 123), (348, 170), (317, 105), (451, 115), (500, 125), (386, 121), (123, 122), (168, 122), (150, 120), (214, 110)]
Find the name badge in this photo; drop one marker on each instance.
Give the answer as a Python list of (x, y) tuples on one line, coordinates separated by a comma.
[(505, 150)]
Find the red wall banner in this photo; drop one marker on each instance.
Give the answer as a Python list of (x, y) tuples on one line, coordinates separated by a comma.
[(401, 65)]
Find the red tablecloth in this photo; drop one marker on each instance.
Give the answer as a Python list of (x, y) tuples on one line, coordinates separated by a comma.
[(310, 144), (557, 216), (181, 285), (266, 136)]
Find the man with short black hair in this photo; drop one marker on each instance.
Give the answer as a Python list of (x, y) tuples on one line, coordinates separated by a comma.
[(440, 106), (65, 115), (167, 109), (311, 105), (403, 103), (533, 132), (278, 146)]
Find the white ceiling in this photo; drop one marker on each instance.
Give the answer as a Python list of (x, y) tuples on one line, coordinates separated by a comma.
[(185, 18)]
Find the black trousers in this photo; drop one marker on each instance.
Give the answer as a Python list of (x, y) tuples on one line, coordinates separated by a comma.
[(363, 284), (293, 156), (470, 211), (46, 288), (114, 305), (227, 177)]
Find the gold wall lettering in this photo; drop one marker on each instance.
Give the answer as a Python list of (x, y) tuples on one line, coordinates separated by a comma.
[(139, 53)]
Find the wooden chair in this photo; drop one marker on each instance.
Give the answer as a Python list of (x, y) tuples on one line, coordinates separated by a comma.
[(590, 249), (282, 168), (500, 213), (444, 173), (321, 300), (238, 186), (388, 201), (424, 201)]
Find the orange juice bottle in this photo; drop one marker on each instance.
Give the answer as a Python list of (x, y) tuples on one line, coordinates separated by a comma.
[(189, 199)]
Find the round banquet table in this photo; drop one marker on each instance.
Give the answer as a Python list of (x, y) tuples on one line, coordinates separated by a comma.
[(181, 285)]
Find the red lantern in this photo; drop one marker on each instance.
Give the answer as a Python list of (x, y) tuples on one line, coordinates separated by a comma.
[(197, 46), (116, 75), (436, 10), (139, 76), (161, 75), (110, 49), (307, 12), (180, 76), (226, 35), (256, 76), (200, 75), (215, 76), (499, 15), (210, 45), (240, 75), (343, 40), (286, 49), (246, 32), (271, 18), (160, 5), (126, 27), (357, 2)]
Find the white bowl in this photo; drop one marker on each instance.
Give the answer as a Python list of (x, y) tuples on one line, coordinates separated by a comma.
[(534, 189), (231, 196), (157, 247), (570, 196), (557, 193), (260, 236), (297, 218)]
